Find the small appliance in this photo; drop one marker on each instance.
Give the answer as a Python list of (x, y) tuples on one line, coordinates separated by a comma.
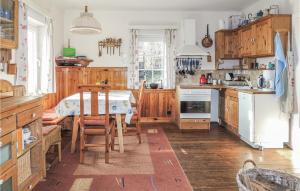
[(203, 79), (261, 82), (229, 76)]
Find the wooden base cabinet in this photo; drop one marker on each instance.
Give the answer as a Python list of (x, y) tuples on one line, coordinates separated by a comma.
[(20, 161), (8, 180), (229, 108)]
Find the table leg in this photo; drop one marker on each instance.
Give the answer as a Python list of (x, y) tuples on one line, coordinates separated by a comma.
[(74, 133), (120, 132)]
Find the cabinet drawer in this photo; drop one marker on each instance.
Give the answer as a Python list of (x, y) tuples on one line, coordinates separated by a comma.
[(194, 124), (28, 116), (8, 179), (7, 151), (7, 125)]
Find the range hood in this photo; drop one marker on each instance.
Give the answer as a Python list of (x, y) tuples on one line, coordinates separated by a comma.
[(189, 48)]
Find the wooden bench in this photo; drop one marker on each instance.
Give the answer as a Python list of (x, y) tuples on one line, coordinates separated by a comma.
[(51, 118)]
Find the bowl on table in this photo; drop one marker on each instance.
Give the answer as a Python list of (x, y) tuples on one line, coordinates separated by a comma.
[(153, 85)]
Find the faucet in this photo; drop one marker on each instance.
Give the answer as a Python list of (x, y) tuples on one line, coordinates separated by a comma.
[(249, 83)]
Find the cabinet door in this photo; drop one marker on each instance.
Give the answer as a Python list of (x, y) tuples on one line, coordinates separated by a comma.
[(264, 38), (8, 180), (9, 24), (228, 45), (222, 108), (248, 41), (227, 109), (7, 151), (235, 44), (219, 46), (234, 113)]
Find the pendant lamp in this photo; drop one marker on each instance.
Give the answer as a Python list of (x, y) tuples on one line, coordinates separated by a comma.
[(86, 24)]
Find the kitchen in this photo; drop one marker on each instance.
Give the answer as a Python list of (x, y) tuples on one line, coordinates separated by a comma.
[(195, 89)]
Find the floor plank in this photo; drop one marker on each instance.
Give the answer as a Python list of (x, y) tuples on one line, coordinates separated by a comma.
[(212, 159)]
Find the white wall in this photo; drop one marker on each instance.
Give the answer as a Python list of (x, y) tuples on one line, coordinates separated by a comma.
[(116, 24)]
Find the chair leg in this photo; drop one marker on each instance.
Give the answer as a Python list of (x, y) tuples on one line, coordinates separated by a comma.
[(138, 132), (82, 145), (59, 151), (107, 146), (124, 127), (44, 166), (113, 134)]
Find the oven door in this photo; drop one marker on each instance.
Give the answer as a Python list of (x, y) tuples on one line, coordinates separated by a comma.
[(195, 109)]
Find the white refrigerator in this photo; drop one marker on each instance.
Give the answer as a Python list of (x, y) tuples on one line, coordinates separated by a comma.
[(261, 123)]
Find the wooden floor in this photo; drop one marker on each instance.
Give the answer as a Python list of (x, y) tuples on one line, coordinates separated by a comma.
[(212, 159)]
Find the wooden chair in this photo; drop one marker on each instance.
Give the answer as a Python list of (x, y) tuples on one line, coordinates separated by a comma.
[(95, 124), (137, 114)]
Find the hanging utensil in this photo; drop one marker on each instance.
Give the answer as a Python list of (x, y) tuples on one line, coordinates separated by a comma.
[(207, 40)]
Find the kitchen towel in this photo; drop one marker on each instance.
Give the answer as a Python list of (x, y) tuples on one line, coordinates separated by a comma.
[(280, 67), (287, 100)]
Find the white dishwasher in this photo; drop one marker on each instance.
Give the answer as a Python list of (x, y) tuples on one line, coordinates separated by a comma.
[(246, 112), (261, 123)]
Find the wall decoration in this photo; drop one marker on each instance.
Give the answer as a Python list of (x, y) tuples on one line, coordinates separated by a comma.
[(110, 44)]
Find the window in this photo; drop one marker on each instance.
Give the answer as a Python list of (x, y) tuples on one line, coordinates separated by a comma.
[(39, 61), (151, 57), (33, 60)]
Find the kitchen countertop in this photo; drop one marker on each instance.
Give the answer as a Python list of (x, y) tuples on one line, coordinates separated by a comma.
[(237, 88)]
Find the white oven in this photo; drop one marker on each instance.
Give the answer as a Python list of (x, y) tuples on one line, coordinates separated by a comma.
[(195, 103)]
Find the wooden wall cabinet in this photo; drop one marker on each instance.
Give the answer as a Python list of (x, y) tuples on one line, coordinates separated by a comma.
[(253, 40), (9, 24), (229, 107)]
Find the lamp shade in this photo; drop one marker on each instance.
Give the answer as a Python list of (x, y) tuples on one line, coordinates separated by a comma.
[(86, 24)]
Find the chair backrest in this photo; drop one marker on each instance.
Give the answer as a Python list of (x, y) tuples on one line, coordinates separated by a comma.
[(94, 90), (141, 98)]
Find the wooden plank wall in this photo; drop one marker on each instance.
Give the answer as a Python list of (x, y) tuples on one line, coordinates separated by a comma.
[(68, 78), (159, 105)]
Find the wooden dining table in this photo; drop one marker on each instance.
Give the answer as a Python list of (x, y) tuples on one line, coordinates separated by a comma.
[(119, 104)]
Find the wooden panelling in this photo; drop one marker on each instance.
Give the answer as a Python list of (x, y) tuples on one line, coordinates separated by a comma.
[(68, 78), (49, 101), (158, 105)]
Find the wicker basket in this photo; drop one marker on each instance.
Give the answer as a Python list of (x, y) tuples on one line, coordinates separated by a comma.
[(24, 167), (258, 179)]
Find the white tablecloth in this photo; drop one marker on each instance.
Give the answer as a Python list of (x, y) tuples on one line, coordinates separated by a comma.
[(119, 103)]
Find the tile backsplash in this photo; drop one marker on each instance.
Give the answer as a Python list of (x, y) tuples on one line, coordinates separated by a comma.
[(219, 74)]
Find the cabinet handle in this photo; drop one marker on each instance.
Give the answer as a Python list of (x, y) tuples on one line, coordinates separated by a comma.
[(33, 115), (30, 187)]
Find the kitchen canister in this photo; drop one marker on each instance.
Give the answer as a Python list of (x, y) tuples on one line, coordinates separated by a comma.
[(227, 22), (274, 9), (235, 21), (221, 24)]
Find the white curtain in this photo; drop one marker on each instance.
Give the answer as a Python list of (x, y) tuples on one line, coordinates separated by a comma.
[(170, 39), (133, 65), (47, 61), (21, 55)]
